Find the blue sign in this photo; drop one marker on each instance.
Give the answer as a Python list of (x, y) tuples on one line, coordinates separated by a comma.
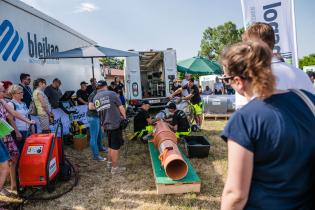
[(11, 40)]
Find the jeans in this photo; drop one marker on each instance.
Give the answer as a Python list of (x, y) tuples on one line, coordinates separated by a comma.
[(95, 135)]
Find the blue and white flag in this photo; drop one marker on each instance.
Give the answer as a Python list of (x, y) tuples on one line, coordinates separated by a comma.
[(279, 14)]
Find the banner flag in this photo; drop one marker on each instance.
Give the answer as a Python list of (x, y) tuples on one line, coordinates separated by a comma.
[(280, 15)]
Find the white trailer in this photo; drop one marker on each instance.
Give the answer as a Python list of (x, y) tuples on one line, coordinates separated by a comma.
[(27, 34), (150, 77)]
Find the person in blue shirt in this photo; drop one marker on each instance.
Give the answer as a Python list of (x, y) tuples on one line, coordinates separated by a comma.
[(271, 140)]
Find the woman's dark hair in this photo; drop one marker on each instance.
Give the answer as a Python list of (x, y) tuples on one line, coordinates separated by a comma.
[(37, 81), (251, 61)]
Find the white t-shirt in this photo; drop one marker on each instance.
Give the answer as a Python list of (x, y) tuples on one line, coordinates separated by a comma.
[(185, 91), (21, 108), (287, 77)]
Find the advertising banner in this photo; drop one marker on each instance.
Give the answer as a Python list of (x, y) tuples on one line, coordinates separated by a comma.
[(280, 15), (65, 119)]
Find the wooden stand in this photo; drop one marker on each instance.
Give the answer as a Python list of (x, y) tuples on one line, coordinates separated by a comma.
[(217, 116), (165, 185)]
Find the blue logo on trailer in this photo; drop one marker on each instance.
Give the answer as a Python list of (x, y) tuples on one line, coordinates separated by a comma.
[(15, 46)]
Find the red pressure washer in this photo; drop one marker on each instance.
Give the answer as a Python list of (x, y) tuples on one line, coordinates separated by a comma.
[(41, 162)]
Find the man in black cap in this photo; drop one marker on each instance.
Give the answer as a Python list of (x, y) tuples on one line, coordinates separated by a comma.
[(111, 113), (180, 122), (82, 94), (142, 121)]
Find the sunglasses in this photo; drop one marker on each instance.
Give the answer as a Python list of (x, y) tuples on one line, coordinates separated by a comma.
[(226, 79)]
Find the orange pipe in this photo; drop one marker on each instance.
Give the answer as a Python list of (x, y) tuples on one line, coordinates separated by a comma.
[(165, 140)]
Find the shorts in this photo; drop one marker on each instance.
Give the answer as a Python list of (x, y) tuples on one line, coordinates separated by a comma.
[(115, 139), (11, 146), (4, 154), (198, 108)]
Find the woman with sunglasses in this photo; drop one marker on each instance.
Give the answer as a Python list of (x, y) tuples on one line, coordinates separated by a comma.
[(16, 93), (271, 140)]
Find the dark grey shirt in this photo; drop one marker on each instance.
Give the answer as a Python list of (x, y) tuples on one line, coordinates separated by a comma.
[(107, 103), (92, 113), (53, 95)]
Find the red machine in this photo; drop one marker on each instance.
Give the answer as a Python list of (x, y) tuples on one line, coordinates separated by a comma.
[(40, 159)]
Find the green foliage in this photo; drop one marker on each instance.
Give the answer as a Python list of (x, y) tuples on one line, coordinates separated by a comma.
[(215, 39), (113, 63), (307, 61)]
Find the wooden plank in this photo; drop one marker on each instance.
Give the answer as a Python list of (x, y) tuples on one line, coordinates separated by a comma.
[(178, 188), (165, 185)]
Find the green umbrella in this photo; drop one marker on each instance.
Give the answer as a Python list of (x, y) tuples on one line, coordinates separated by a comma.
[(199, 65)]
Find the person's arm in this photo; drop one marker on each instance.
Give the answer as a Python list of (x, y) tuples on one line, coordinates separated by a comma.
[(173, 127), (15, 113), (222, 89), (13, 124), (82, 101), (188, 97), (122, 111), (92, 106), (42, 102), (179, 90), (239, 175)]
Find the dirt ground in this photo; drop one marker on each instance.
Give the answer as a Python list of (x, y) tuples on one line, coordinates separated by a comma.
[(135, 189)]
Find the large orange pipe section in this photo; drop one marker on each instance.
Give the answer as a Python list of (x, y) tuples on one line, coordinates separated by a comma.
[(171, 158)]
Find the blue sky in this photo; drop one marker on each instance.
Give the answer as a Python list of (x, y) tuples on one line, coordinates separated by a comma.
[(161, 24)]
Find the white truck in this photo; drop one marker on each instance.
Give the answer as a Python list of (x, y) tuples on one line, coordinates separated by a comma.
[(27, 34), (150, 77)]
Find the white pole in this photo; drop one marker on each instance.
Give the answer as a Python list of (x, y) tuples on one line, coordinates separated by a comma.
[(296, 58)]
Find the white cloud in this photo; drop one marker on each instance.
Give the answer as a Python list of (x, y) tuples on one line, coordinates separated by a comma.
[(86, 7)]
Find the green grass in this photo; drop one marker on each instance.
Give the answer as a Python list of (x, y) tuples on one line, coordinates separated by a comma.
[(135, 189)]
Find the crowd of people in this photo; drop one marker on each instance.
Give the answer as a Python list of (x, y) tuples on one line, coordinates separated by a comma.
[(18, 102)]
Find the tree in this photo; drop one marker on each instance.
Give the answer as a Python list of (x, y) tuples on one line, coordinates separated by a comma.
[(113, 63), (215, 39), (307, 61)]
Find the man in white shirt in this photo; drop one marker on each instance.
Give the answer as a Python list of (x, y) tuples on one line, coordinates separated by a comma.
[(185, 82), (287, 76)]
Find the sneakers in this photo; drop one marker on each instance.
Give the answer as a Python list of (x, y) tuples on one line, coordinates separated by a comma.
[(99, 158), (103, 149), (118, 170)]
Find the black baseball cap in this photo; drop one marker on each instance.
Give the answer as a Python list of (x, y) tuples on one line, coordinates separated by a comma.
[(172, 106), (145, 102), (101, 83), (83, 83)]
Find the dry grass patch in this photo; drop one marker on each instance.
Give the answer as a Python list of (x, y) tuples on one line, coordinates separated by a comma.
[(135, 189)]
